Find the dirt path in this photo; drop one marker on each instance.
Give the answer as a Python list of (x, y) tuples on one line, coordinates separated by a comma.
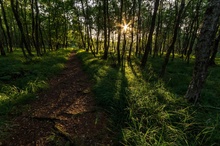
[(65, 114)]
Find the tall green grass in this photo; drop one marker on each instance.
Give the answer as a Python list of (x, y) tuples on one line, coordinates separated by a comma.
[(146, 110), (20, 80)]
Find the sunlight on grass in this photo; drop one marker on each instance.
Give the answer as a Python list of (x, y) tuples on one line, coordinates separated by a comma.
[(152, 111)]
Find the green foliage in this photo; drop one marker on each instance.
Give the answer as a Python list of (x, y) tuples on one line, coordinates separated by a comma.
[(20, 80), (151, 111)]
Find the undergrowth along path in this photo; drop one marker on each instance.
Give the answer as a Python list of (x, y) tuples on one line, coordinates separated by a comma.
[(65, 114)]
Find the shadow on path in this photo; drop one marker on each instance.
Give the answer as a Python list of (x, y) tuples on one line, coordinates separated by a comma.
[(65, 114)]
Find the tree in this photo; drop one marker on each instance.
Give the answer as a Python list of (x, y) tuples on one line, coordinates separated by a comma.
[(119, 32), (149, 40), (202, 51), (105, 13), (214, 50), (14, 6), (175, 33), (2, 51), (7, 26)]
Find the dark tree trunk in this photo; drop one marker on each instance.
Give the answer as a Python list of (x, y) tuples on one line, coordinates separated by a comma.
[(148, 47), (7, 27), (42, 38), (80, 28), (15, 12), (202, 51), (2, 49), (37, 29), (119, 33), (1, 39), (171, 48), (49, 26), (132, 29), (33, 23), (138, 28), (157, 33), (4, 36), (214, 51), (105, 11)]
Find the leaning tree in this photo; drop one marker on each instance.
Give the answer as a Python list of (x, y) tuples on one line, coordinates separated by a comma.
[(203, 49)]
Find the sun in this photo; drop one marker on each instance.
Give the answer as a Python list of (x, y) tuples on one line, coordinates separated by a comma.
[(125, 27)]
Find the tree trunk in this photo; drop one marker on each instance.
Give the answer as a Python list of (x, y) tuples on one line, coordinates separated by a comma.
[(157, 33), (105, 11), (202, 51), (138, 28), (214, 51), (119, 33), (1, 39), (132, 29), (37, 29), (149, 40), (171, 48), (49, 26), (7, 27), (15, 12)]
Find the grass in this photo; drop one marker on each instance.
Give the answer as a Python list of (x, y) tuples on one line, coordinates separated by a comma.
[(146, 110), (20, 80)]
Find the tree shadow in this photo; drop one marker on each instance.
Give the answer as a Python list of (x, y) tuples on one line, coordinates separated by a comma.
[(110, 91)]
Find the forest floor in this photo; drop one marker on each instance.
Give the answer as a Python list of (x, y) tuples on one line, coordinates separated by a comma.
[(64, 114)]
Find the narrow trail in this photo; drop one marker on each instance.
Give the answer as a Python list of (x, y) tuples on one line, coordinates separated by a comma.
[(65, 114)]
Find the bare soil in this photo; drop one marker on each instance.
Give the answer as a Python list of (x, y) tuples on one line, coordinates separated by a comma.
[(65, 114)]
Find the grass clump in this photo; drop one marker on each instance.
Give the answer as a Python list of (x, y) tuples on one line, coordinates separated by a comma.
[(147, 110)]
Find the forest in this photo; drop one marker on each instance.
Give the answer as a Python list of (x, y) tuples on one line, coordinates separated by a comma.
[(109, 72)]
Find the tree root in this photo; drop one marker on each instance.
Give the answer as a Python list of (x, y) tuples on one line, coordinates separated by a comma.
[(64, 134)]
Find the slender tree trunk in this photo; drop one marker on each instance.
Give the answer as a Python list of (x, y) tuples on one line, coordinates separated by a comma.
[(49, 26), (105, 11), (4, 35), (157, 33), (33, 24), (37, 29), (214, 51), (80, 27), (138, 28), (132, 30), (171, 48), (2, 50), (7, 27), (149, 40), (119, 33), (202, 51), (17, 18), (41, 37)]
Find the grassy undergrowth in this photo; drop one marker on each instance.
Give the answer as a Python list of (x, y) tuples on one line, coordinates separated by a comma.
[(146, 110), (20, 80)]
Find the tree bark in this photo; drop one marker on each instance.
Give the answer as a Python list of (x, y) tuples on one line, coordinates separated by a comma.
[(214, 51), (105, 11), (138, 28), (132, 30), (7, 27), (37, 29), (202, 51), (171, 48), (15, 12), (119, 33), (148, 47)]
